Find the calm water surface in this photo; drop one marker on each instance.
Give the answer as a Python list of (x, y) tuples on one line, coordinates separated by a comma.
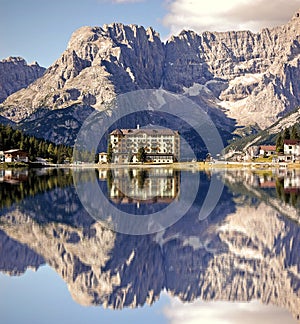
[(61, 262)]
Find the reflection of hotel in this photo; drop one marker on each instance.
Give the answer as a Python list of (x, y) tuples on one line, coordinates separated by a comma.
[(292, 182), (161, 145), (140, 185)]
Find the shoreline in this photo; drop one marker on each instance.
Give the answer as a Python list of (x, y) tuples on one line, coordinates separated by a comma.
[(191, 165), (176, 166)]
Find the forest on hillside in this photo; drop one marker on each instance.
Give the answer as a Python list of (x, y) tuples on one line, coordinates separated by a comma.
[(11, 138)]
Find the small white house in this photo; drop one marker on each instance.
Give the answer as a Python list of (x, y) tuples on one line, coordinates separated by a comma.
[(16, 155), (292, 147), (103, 157), (267, 150)]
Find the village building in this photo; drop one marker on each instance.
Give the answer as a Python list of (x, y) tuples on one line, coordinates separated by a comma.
[(291, 148), (102, 157), (267, 150), (16, 155), (291, 152), (160, 145)]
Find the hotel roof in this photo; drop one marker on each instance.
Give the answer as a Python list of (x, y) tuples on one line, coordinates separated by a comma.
[(148, 131)]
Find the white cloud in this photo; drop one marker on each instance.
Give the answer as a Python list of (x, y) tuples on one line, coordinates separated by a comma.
[(220, 15), (126, 1), (120, 1), (225, 313)]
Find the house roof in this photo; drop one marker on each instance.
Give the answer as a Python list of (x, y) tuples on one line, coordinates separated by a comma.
[(13, 151), (291, 142), (268, 147), (116, 132)]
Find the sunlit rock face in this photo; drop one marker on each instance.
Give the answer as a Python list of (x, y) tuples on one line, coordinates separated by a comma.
[(97, 64), (252, 78)]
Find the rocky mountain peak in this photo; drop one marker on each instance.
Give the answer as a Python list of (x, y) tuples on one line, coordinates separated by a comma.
[(97, 64), (16, 74), (248, 77)]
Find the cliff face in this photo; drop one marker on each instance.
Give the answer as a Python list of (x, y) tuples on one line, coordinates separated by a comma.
[(16, 74), (253, 78), (97, 64), (243, 251)]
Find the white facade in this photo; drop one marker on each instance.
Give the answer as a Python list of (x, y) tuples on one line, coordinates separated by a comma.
[(292, 147), (161, 145), (16, 155), (102, 157), (267, 150)]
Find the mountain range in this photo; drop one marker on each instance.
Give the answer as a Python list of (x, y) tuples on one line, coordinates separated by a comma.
[(245, 81)]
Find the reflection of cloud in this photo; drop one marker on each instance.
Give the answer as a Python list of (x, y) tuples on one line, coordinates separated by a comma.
[(216, 15), (225, 313)]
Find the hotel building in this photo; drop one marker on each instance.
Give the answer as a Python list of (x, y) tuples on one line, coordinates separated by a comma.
[(160, 145)]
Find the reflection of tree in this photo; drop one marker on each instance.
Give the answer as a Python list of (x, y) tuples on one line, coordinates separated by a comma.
[(141, 178), (14, 193), (130, 174), (289, 197), (110, 179)]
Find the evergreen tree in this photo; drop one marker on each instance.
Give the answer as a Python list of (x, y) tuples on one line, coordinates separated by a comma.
[(109, 153), (279, 143), (294, 132), (11, 138), (141, 155), (286, 134)]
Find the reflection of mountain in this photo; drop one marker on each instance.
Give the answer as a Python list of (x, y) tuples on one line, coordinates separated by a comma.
[(245, 250), (16, 257)]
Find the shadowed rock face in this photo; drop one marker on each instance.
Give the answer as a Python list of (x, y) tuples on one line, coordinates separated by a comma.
[(244, 250), (16, 74), (253, 78)]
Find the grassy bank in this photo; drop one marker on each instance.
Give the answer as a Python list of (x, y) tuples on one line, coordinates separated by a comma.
[(13, 165)]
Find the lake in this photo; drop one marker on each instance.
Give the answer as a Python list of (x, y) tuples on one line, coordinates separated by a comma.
[(149, 245)]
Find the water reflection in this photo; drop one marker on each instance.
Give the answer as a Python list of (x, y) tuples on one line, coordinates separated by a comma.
[(247, 249), (151, 185), (16, 185)]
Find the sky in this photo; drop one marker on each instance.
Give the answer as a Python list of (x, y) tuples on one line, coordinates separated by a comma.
[(39, 30), (35, 294)]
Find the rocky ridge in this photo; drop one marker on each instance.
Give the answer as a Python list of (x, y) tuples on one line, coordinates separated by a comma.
[(252, 78), (16, 74)]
